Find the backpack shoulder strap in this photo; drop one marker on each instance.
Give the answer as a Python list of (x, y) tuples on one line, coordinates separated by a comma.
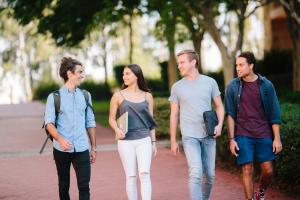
[(56, 96), (86, 97)]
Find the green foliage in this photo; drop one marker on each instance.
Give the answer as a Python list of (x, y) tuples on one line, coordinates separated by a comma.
[(158, 87), (291, 97), (162, 117), (44, 89), (68, 21), (218, 76), (287, 166), (164, 74), (99, 91), (277, 66), (118, 72), (101, 109)]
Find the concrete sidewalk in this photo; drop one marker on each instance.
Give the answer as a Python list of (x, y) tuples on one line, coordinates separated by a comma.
[(26, 175)]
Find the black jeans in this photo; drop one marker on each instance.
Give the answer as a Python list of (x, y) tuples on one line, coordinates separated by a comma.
[(82, 167)]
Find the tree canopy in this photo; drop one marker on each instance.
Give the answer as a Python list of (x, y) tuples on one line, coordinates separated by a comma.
[(68, 21)]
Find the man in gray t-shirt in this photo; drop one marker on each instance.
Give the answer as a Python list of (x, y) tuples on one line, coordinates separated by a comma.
[(190, 97)]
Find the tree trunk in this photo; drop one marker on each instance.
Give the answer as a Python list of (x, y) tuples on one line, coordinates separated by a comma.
[(172, 68), (197, 38), (172, 65), (294, 30), (104, 57), (296, 65), (23, 63), (227, 59), (296, 56), (130, 39), (105, 68)]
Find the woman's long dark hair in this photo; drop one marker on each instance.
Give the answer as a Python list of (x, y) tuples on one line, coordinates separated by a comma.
[(142, 84)]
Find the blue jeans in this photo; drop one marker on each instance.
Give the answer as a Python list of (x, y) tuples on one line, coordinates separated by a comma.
[(200, 154)]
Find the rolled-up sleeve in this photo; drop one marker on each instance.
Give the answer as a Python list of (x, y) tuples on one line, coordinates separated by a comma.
[(90, 117), (229, 102), (50, 110), (275, 110)]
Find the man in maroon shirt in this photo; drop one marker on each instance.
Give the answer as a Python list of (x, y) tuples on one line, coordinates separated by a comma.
[(253, 120)]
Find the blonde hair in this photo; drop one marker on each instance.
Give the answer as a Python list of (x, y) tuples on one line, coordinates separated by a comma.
[(192, 55)]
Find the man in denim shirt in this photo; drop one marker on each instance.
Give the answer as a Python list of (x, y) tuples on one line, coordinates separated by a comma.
[(253, 122), (72, 131)]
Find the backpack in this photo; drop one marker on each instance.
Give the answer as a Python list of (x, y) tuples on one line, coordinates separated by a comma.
[(56, 96)]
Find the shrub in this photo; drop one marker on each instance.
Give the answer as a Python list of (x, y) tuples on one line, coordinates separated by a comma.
[(277, 65), (43, 89), (118, 72), (161, 116), (218, 76), (156, 85), (291, 97), (99, 91), (287, 166), (164, 74), (158, 88)]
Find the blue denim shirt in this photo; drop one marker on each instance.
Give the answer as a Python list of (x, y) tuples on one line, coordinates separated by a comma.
[(268, 97), (72, 121)]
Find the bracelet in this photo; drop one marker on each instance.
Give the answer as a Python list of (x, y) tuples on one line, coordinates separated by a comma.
[(231, 138), (94, 149), (153, 141)]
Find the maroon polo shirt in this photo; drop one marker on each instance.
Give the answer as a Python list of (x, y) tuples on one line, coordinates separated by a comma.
[(251, 120)]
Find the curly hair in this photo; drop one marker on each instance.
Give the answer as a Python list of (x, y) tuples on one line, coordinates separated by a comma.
[(67, 64), (249, 56)]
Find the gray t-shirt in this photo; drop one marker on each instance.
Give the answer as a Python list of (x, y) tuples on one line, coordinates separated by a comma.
[(194, 97)]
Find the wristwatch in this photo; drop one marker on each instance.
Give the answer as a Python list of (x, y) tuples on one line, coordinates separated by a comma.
[(94, 149)]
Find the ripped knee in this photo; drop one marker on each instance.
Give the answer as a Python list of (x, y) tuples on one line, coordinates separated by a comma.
[(144, 175)]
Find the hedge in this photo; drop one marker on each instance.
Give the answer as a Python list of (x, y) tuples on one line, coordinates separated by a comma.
[(44, 89), (99, 91), (161, 116)]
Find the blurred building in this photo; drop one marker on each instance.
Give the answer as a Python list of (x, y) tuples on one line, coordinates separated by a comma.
[(276, 32)]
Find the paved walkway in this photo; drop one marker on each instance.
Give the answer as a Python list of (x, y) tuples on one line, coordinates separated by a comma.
[(26, 175)]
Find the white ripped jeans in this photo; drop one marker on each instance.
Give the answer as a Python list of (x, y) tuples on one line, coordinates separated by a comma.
[(136, 154)]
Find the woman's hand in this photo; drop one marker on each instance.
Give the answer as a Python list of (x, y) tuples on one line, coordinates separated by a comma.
[(154, 148), (119, 134)]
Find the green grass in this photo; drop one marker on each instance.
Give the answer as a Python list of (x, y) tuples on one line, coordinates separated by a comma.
[(101, 112)]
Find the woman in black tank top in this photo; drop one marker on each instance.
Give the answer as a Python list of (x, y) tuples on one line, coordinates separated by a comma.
[(139, 142)]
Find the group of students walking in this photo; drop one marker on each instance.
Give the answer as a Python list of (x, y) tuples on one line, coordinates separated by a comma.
[(251, 110)]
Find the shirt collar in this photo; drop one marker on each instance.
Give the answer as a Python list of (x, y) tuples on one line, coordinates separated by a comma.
[(65, 89)]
